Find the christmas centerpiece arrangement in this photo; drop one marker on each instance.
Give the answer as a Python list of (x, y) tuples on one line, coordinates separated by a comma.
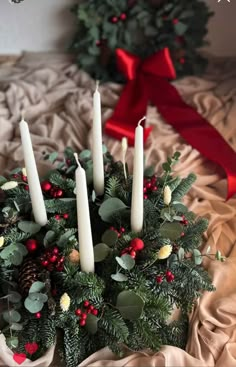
[(96, 254)]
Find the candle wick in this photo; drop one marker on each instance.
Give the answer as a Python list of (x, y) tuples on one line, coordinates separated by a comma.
[(97, 85), (22, 115), (142, 119), (77, 159)]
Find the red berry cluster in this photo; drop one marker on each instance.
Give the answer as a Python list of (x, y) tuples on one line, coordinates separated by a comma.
[(20, 176), (149, 186), (116, 19), (54, 191), (135, 245), (184, 221), (118, 231), (84, 313), (63, 216), (168, 275), (52, 260)]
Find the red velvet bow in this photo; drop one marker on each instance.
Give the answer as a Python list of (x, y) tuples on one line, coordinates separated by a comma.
[(148, 81)]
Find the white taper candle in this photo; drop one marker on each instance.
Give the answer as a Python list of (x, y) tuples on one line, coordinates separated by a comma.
[(84, 224), (38, 206), (137, 187), (98, 167)]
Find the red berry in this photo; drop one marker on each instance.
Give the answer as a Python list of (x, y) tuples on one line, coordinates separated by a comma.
[(148, 185), (55, 250), (78, 312), (112, 228), (114, 20), (98, 43), (124, 252), (153, 180), (159, 279), (86, 303), (46, 186), (15, 175), (155, 188), (168, 273), (122, 229), (44, 263), (61, 259), (53, 259), (182, 60), (31, 245), (84, 316), (89, 311), (182, 234), (95, 312), (185, 222), (24, 178), (54, 292), (38, 315), (123, 16), (66, 216), (170, 278), (133, 254), (175, 21), (91, 307), (60, 268), (137, 244), (68, 162), (82, 322), (26, 187), (59, 193), (57, 217), (144, 189), (145, 197)]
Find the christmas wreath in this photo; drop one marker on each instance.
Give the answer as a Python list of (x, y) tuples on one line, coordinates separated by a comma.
[(141, 27), (139, 278)]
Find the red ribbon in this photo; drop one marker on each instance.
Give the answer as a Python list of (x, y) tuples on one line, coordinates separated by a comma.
[(148, 81)]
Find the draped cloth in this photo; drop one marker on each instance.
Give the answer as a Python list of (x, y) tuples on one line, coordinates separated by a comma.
[(56, 99)]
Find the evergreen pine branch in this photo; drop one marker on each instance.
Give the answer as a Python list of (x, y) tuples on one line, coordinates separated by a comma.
[(183, 188)]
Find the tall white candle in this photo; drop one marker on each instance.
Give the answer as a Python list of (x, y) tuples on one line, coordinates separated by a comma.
[(39, 211), (98, 168), (137, 187), (84, 224)]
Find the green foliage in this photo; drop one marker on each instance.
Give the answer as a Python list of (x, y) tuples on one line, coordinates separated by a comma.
[(148, 27), (131, 307)]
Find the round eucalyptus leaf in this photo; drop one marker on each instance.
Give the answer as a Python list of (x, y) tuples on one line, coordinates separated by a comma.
[(33, 306), (119, 277), (37, 287), (16, 258), (85, 154), (12, 342), (110, 207), (29, 227), (197, 257), (181, 254), (11, 316), (126, 262), (101, 251), (91, 324), (16, 326), (110, 237), (171, 230), (14, 297), (130, 305)]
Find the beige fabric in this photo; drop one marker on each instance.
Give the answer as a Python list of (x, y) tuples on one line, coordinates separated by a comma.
[(56, 99)]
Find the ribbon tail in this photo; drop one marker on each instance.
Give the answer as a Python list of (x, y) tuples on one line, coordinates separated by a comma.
[(130, 108), (196, 130)]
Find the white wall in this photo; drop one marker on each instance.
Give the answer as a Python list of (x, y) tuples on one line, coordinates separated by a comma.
[(40, 25)]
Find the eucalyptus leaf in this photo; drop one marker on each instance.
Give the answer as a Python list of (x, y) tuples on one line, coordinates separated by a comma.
[(3, 180), (52, 157), (16, 326), (85, 154), (110, 237), (173, 259), (29, 227), (12, 342), (171, 230), (65, 238), (208, 250), (130, 305), (22, 249), (181, 254), (33, 306), (91, 324), (104, 149), (37, 287), (126, 262), (197, 257), (101, 251), (7, 251), (11, 316), (149, 171), (49, 237), (14, 297), (93, 196), (89, 175), (109, 207), (16, 258), (119, 277)]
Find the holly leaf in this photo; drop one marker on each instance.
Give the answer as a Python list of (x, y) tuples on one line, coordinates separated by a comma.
[(130, 305)]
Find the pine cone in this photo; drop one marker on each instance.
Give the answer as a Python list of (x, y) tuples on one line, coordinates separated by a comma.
[(28, 274)]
